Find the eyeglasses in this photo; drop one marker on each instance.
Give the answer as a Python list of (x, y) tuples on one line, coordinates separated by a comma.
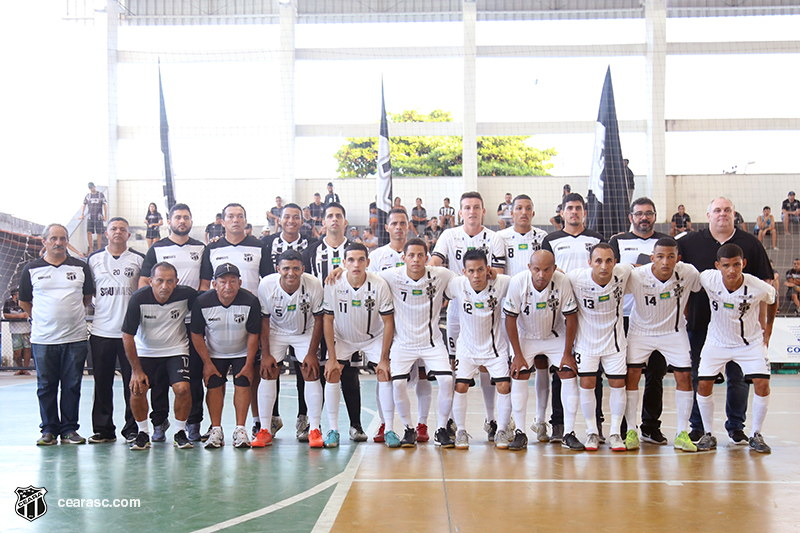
[(640, 214)]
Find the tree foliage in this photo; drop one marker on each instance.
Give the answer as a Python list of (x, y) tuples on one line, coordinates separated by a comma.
[(441, 156)]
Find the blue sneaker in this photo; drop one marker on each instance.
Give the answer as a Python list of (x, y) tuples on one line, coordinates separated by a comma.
[(392, 440), (331, 439), (160, 431), (193, 432)]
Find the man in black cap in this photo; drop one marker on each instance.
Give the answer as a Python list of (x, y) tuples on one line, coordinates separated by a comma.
[(98, 211), (790, 212)]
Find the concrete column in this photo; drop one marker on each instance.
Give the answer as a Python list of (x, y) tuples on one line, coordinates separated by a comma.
[(106, 23), (656, 72), (286, 125), (469, 155)]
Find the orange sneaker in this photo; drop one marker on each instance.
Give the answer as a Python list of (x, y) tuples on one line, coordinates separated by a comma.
[(315, 439), (263, 438), (379, 435), (422, 433)]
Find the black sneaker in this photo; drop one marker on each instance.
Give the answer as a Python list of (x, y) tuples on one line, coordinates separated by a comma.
[(653, 436), (520, 441), (130, 437), (571, 442), (600, 433), (738, 437), (451, 430), (442, 438), (409, 439), (204, 436), (490, 427), (182, 441), (256, 427), (97, 438), (695, 435), (142, 441)]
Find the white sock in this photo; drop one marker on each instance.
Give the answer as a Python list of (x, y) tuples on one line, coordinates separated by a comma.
[(333, 394), (616, 400), (489, 392), (542, 394), (588, 406), (401, 402), (144, 426), (378, 401), (180, 425), (632, 409), (460, 409), (313, 397), (569, 401), (385, 391), (706, 406), (240, 427), (760, 405), (444, 403), (267, 392), (503, 411), (424, 400), (683, 403), (519, 401)]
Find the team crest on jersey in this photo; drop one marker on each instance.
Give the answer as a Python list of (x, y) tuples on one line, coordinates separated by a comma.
[(492, 302), (617, 293), (71, 276), (305, 306), (744, 306), (679, 290), (589, 246), (174, 314), (238, 318), (552, 301), (430, 290), (30, 502), (194, 256), (369, 303), (248, 257), (129, 272)]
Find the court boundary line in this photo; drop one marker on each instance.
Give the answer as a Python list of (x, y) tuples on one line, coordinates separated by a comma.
[(597, 481)]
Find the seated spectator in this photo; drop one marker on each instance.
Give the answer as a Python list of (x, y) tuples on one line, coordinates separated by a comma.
[(447, 215), (354, 235), (368, 239), (373, 216), (308, 229), (433, 232), (765, 225), (790, 212), (681, 222), (738, 221), (419, 217), (557, 220), (398, 205), (504, 212), (792, 285)]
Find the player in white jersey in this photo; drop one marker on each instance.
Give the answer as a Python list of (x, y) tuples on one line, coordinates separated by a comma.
[(291, 306), (736, 333), (542, 321), (520, 240), (660, 292), (115, 270), (450, 248), (358, 317), (418, 292), (601, 338), (481, 342)]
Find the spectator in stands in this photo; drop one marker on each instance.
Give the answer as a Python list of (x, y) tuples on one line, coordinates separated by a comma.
[(398, 204), (368, 239), (419, 217), (447, 215), (331, 196), (264, 230), (373, 216), (248, 229), (765, 225), (98, 211), (154, 220), (215, 230), (681, 222), (557, 220), (792, 284), (504, 211), (317, 210), (308, 230), (738, 221), (355, 236), (790, 212), (274, 215), (433, 232), (20, 332), (565, 191)]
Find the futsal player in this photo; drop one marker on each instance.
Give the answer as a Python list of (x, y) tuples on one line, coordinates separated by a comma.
[(521, 240)]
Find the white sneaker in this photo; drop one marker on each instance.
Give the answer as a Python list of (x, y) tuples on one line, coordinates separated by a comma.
[(462, 439), (216, 439), (501, 439), (240, 438), (616, 443), (275, 424), (593, 442), (302, 428), (540, 428)]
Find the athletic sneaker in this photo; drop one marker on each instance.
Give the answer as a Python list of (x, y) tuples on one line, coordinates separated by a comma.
[(462, 439), (558, 433), (616, 443), (391, 439), (193, 432), (452, 428), (571, 442), (379, 435), (180, 440), (540, 428), (331, 439), (738, 437), (216, 438), (357, 434), (501, 440), (593, 442), (490, 427), (47, 439), (409, 439), (240, 438), (684, 443), (695, 435), (302, 428), (520, 441), (263, 438), (72, 438), (600, 433), (757, 444), (706, 443), (142, 441), (204, 437), (315, 439), (130, 437), (275, 425), (160, 431), (442, 438), (654, 436), (422, 433), (256, 427), (97, 438), (632, 440)]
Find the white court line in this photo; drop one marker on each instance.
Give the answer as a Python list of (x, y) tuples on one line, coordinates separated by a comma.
[(598, 481)]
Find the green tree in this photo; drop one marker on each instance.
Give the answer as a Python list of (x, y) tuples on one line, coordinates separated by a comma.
[(441, 156)]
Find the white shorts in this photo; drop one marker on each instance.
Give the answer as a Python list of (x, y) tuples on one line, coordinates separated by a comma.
[(753, 359), (402, 360), (279, 344), (553, 349), (371, 348), (674, 347), (453, 328), (614, 365), (467, 366)]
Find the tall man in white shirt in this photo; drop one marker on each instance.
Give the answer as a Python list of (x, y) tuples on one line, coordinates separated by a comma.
[(521, 240)]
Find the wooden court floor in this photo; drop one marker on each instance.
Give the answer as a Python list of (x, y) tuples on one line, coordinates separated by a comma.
[(367, 487)]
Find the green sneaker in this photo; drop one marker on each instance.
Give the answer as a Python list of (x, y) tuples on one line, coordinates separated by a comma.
[(684, 443), (632, 440), (331, 439), (392, 440), (48, 439)]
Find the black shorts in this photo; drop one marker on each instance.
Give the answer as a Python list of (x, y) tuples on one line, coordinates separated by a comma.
[(237, 363), (95, 226), (176, 366)]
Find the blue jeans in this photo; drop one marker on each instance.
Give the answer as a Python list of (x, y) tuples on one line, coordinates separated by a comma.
[(59, 364)]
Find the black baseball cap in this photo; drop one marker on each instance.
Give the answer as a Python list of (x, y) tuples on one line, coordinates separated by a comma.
[(91, 185), (227, 268)]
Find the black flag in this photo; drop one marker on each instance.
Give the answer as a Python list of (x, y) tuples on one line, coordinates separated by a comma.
[(384, 173), (169, 179), (608, 201)]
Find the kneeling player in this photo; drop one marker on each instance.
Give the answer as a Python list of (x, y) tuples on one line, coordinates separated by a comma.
[(736, 334), (290, 301), (657, 322), (226, 323), (481, 342), (352, 306)]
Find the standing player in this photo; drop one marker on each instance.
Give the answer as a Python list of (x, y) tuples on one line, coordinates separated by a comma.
[(115, 269), (542, 321), (657, 324), (736, 333), (358, 316), (226, 323), (98, 212), (601, 338), (482, 344), (291, 305), (521, 240)]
